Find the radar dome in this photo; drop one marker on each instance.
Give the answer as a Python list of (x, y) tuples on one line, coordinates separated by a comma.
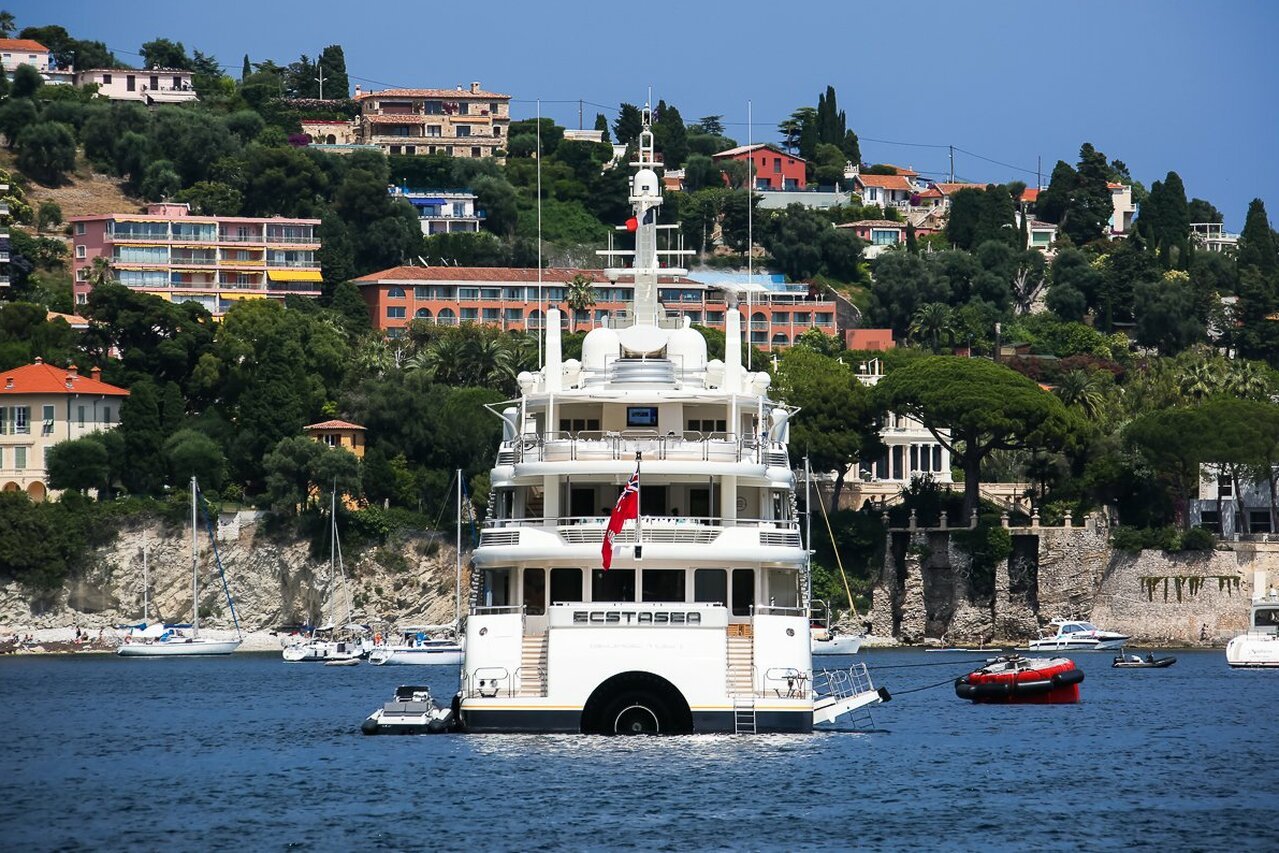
[(598, 347), (645, 183), (687, 348)]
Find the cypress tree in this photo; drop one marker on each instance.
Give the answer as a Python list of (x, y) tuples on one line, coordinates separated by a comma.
[(246, 69), (1052, 203), (601, 124), (1257, 242)]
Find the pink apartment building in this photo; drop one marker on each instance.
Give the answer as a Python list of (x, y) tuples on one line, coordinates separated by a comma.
[(212, 260)]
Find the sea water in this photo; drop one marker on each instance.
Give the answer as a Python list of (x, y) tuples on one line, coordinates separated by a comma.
[(250, 753)]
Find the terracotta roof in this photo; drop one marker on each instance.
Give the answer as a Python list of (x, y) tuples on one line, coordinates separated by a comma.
[(872, 223), (41, 378), (931, 192), (902, 170), (432, 93), (22, 44), (946, 188), (75, 321), (333, 425), (888, 182), (746, 149), (553, 277), (1114, 186), (1042, 226), (1030, 194)]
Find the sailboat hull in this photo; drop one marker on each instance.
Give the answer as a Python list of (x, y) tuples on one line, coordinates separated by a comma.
[(416, 656), (174, 648)]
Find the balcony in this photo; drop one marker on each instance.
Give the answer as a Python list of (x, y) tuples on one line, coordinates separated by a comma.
[(240, 238), (192, 261), (293, 265), (658, 530), (300, 239), (294, 286), (618, 446)]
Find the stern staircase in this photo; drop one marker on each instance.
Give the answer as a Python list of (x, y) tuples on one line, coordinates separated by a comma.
[(741, 682), (533, 665)]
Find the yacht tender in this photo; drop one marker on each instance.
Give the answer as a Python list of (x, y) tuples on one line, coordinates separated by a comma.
[(1068, 635), (702, 622), (1259, 647)]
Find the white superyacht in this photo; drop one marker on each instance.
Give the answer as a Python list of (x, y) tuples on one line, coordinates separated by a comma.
[(1259, 647), (702, 622)]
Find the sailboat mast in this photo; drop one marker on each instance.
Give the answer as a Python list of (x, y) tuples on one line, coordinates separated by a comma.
[(146, 580), (457, 570), (195, 574)]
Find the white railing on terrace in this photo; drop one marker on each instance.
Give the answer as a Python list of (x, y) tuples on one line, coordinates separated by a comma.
[(589, 530), (602, 445)]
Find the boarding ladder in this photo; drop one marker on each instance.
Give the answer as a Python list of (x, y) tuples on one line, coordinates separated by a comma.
[(852, 686), (532, 671), (741, 682)]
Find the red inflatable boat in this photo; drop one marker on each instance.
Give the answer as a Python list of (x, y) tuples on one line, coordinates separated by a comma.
[(1017, 680)]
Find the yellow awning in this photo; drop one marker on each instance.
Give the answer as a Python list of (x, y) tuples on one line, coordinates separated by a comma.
[(294, 275), (234, 295)]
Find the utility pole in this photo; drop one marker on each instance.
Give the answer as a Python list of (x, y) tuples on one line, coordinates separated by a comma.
[(320, 79), (952, 163), (579, 114), (1039, 171)]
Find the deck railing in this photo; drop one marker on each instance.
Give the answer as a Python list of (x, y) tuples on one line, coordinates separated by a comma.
[(606, 445)]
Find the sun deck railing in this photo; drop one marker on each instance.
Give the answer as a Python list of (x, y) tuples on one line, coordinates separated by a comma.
[(606, 445)]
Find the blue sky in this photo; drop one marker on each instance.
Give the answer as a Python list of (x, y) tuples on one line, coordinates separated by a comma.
[(1189, 86)]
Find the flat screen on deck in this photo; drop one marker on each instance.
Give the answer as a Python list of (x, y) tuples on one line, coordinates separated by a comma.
[(641, 416)]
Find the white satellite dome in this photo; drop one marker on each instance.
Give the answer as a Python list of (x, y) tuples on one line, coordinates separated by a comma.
[(598, 347), (687, 348)]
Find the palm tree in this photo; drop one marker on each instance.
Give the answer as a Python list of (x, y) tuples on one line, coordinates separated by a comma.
[(579, 295), (931, 322), (1200, 380), (442, 360), (1084, 390), (1247, 380), (373, 355), (488, 361), (101, 272)]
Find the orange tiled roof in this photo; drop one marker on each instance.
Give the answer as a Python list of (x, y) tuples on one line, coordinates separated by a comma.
[(931, 192), (902, 170), (335, 424), (888, 182), (22, 44), (41, 378), (431, 93), (872, 223), (747, 149), (1030, 195), (550, 277), (1114, 186), (75, 321)]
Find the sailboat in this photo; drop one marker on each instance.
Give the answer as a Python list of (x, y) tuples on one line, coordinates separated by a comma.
[(430, 645), (329, 643), (162, 640)]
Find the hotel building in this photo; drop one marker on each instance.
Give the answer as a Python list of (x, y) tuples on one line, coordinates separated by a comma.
[(457, 122), (212, 260), (509, 298)]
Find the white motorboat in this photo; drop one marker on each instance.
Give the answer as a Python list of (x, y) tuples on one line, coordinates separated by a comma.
[(160, 640), (1259, 647), (411, 712), (826, 639), (420, 645), (685, 610), (330, 643), (1069, 635)]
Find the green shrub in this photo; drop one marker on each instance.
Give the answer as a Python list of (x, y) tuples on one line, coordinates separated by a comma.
[(1146, 538), (1198, 539)]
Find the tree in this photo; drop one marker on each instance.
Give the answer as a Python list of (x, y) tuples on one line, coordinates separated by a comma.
[(143, 431), (900, 284), (50, 215), (579, 295), (26, 82), (160, 181), (332, 62), (162, 53), (189, 453), (16, 114), (46, 151), (290, 470), (1052, 202), (601, 124), (1257, 242), (828, 166), (1166, 313), (963, 228), (804, 244), (974, 407), (212, 198), (1090, 206), (1203, 211), (80, 464), (7, 24), (245, 70), (839, 422), (1172, 442), (1083, 390), (628, 124), (670, 136), (713, 125), (931, 323)]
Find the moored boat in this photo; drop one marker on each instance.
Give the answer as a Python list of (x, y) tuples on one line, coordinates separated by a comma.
[(825, 639), (420, 645), (1012, 679), (1138, 662), (1259, 647), (411, 712), (1071, 635)]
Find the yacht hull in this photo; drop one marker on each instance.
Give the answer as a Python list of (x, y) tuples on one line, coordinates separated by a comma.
[(1253, 652), (532, 720), (416, 657), (181, 648), (847, 644)]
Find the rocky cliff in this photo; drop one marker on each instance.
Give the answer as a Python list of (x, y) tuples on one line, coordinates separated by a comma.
[(924, 596), (273, 582)]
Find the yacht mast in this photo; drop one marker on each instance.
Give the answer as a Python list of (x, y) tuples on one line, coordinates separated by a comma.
[(146, 581), (457, 570), (195, 574)]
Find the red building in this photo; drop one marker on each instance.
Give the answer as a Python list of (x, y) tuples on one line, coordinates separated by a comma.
[(774, 168), (508, 298)]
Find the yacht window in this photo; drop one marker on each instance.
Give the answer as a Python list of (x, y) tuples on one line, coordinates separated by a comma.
[(743, 591), (699, 504), (710, 586), (582, 503), (497, 588), (535, 592), (614, 585), (663, 584), (783, 588), (1267, 617), (566, 585)]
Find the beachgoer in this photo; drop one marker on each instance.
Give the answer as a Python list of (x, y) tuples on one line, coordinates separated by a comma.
[(1203, 632)]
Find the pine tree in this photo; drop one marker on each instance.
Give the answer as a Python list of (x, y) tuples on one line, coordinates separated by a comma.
[(1090, 206), (1053, 202), (628, 124), (1257, 242)]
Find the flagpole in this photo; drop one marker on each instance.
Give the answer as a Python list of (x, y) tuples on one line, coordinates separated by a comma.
[(639, 545)]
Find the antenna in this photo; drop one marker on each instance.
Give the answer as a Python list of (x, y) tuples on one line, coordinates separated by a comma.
[(542, 331), (423, 260), (750, 224)]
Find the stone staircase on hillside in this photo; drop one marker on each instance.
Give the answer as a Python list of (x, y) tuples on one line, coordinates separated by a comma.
[(533, 666)]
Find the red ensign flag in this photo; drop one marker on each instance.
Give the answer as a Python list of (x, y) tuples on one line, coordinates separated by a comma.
[(627, 507)]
